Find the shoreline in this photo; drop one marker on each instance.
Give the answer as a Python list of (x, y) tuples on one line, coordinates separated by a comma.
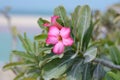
[(26, 21), (23, 23)]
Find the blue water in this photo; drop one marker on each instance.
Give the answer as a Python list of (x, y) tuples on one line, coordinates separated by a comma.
[(5, 46), (6, 43)]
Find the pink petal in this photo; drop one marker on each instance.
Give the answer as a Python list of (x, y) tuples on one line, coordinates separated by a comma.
[(51, 39), (53, 19), (54, 31), (65, 32), (67, 41), (58, 48), (58, 25), (46, 24), (54, 22)]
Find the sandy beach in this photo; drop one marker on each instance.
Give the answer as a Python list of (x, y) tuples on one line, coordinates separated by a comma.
[(22, 20), (23, 23), (6, 75)]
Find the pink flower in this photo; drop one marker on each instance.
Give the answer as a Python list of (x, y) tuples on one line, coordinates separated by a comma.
[(59, 38), (53, 22)]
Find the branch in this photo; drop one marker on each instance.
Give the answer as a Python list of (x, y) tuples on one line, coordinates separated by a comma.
[(107, 63)]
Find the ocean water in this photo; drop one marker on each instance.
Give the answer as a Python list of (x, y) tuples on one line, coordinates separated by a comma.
[(6, 42), (5, 46)]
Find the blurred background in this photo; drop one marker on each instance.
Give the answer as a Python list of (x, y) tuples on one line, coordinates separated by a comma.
[(22, 15)]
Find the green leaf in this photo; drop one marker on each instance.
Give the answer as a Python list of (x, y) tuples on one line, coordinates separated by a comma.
[(12, 64), (87, 72), (33, 72), (41, 22), (41, 37), (60, 11), (115, 54), (45, 49), (23, 55), (35, 47), (47, 59), (82, 22), (98, 73), (87, 37), (101, 42), (24, 43), (56, 68), (90, 54), (115, 76), (76, 72), (108, 77), (74, 17), (20, 75), (29, 79), (116, 20), (29, 43)]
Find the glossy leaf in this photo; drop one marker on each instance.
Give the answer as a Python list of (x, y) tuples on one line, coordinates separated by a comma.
[(115, 54), (41, 37), (20, 75), (74, 17), (90, 54), (56, 68), (41, 22), (108, 77), (60, 11), (76, 71), (87, 36), (87, 72), (23, 55), (29, 43), (82, 22), (29, 79), (12, 64), (24, 43), (99, 73), (47, 59), (115, 76)]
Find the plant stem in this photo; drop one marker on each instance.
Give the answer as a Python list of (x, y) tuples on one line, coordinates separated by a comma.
[(78, 47), (106, 63)]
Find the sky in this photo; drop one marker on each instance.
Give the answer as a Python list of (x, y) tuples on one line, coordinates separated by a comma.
[(47, 6)]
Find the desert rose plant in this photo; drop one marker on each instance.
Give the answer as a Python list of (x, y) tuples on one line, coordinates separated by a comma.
[(67, 49)]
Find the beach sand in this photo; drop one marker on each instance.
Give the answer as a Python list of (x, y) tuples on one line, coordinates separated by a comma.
[(23, 23), (6, 75), (23, 20)]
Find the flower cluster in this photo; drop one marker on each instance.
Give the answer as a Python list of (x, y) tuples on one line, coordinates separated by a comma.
[(58, 35)]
